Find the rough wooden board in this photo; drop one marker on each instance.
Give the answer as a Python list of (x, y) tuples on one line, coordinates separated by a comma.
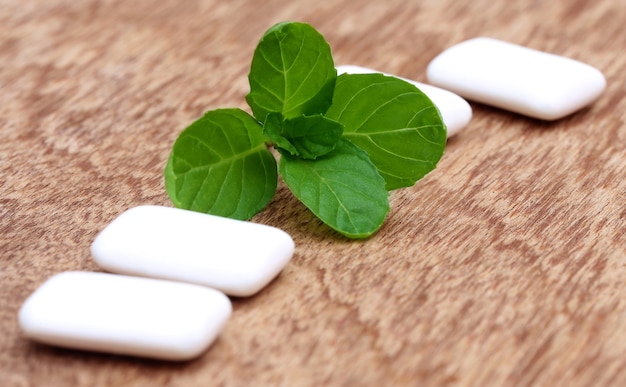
[(505, 266)]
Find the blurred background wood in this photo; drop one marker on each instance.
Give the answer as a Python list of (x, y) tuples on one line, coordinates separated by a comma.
[(504, 266)]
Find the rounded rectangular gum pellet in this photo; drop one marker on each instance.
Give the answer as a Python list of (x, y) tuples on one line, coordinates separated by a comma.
[(516, 78), (455, 111), (236, 257), (125, 315)]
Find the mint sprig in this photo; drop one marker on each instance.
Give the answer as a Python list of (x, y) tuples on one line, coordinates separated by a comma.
[(344, 142)]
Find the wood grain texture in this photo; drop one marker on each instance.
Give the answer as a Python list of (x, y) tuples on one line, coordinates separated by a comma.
[(504, 266)]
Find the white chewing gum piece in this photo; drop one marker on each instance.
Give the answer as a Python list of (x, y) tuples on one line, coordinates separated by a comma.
[(236, 257), (516, 78), (125, 315), (455, 111)]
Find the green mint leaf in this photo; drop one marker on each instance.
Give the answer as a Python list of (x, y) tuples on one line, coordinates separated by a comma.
[(274, 130), (342, 188), (393, 121), (307, 137), (220, 165), (292, 72)]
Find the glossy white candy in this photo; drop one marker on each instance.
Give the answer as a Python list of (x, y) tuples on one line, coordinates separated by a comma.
[(455, 111), (125, 315), (516, 78), (236, 257)]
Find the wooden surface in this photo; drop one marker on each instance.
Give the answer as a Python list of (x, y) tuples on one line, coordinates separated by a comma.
[(504, 266)]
